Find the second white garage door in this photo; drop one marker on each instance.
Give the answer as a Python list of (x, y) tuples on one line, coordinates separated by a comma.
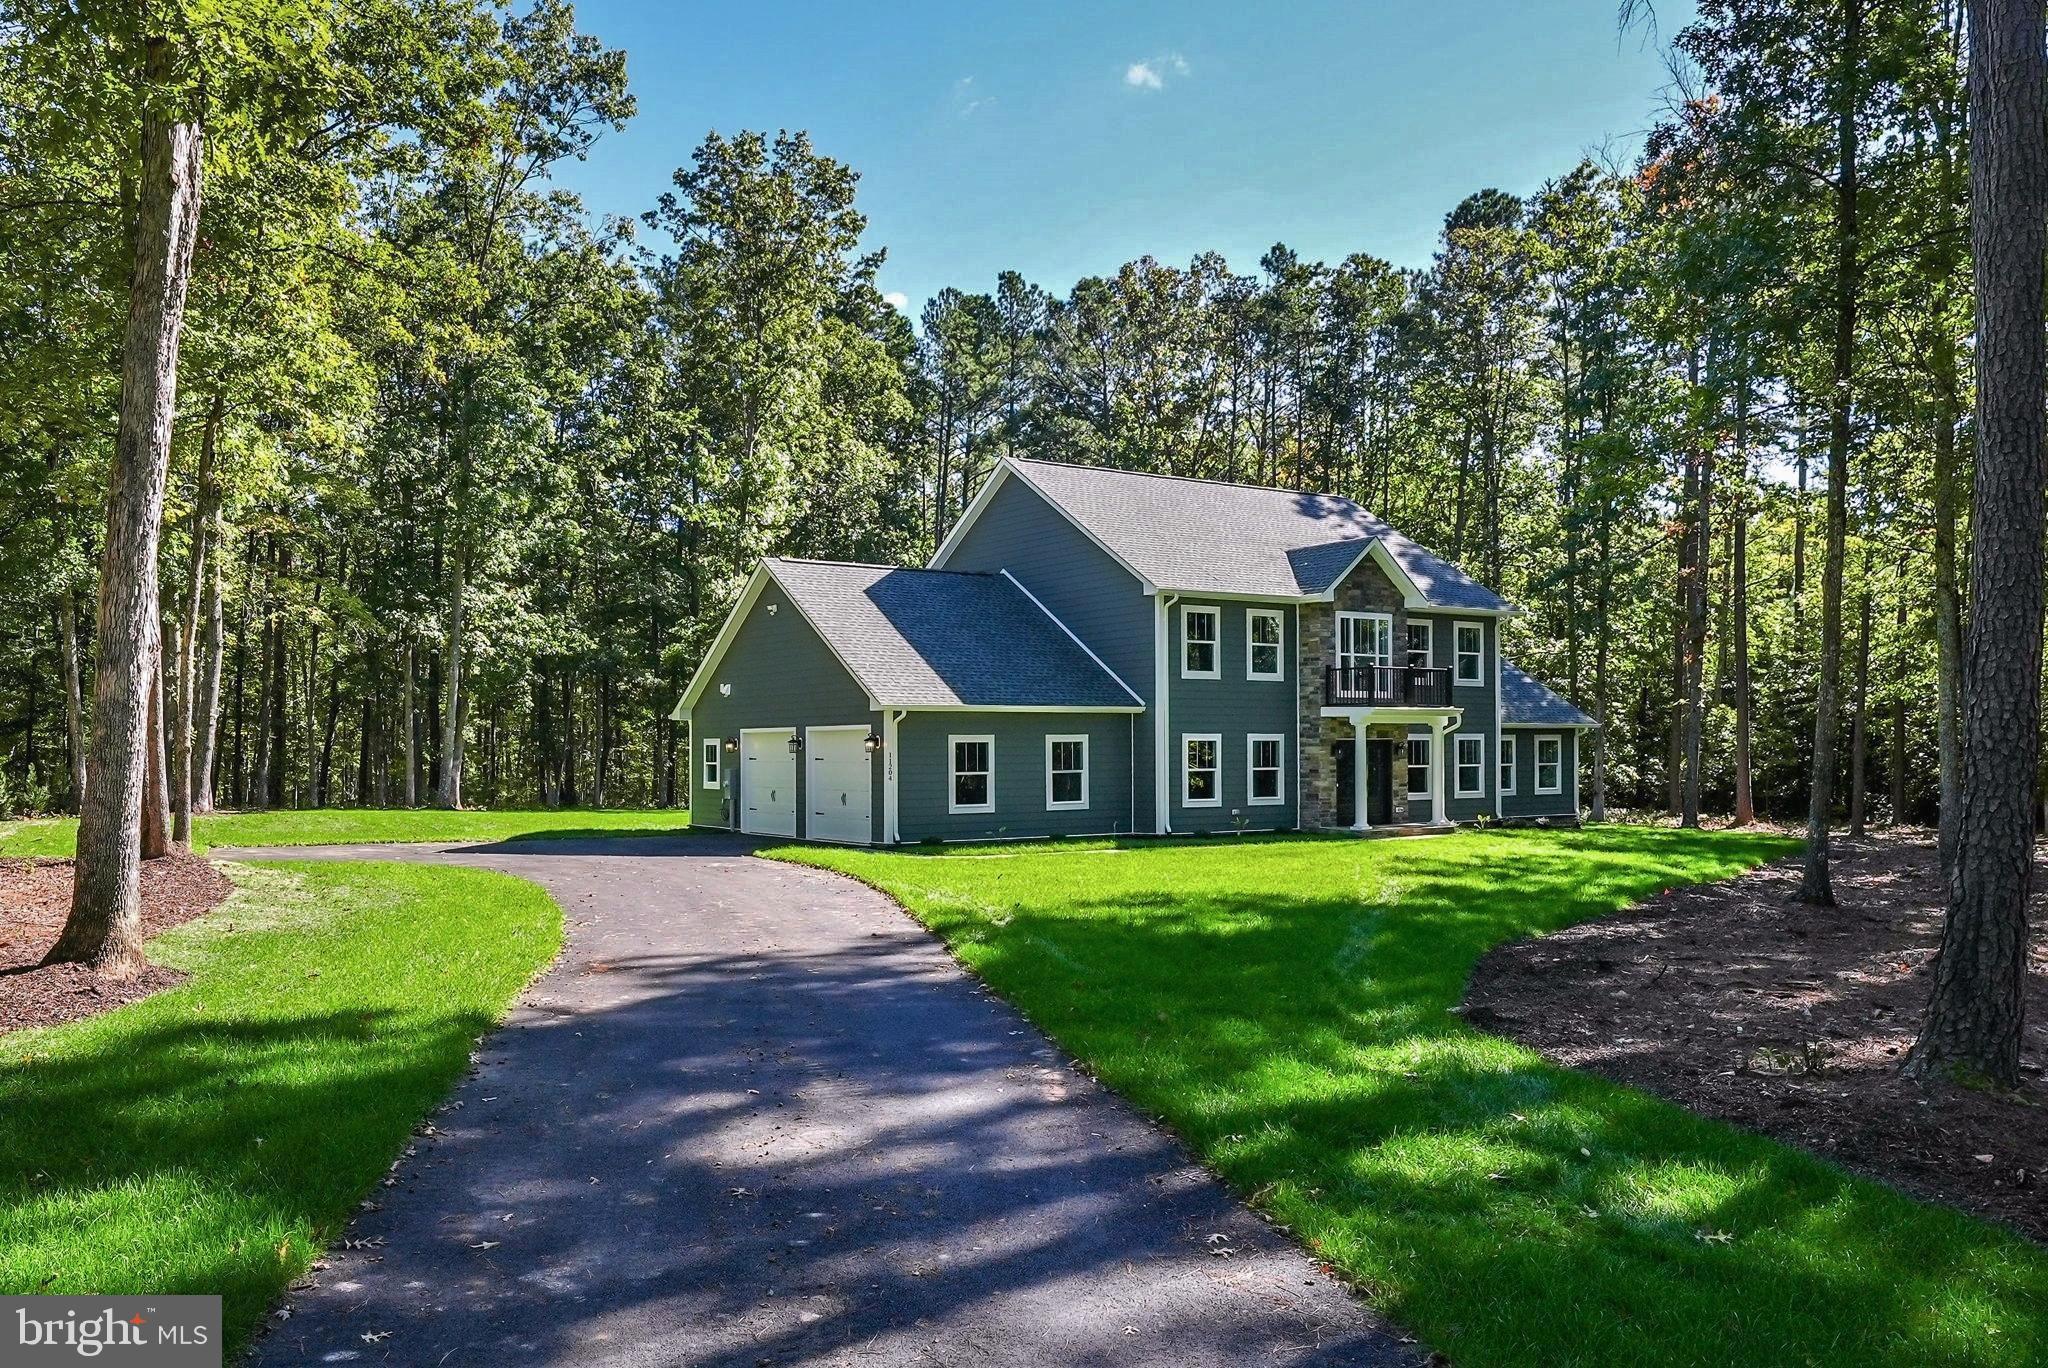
[(767, 783), (842, 787)]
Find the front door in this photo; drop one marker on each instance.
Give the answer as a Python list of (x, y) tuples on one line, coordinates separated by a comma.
[(1379, 783), (1342, 755)]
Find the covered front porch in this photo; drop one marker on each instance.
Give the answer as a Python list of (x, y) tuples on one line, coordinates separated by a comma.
[(1368, 774)]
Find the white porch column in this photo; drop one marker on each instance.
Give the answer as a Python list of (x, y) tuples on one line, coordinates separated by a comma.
[(1359, 768), (1441, 790)]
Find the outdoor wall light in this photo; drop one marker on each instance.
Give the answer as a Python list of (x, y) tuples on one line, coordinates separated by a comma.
[(732, 743), (796, 744), (873, 742)]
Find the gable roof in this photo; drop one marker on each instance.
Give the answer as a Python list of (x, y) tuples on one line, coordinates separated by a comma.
[(1525, 700), (1207, 536), (935, 639)]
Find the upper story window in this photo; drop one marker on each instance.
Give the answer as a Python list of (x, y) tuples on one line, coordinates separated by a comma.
[(1549, 764), (711, 759), (1199, 646), (974, 774), (1265, 630), (1507, 763), (1066, 772), (1365, 639), (1421, 655), (1471, 643)]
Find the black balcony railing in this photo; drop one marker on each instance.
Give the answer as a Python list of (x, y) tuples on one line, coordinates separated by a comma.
[(1394, 686)]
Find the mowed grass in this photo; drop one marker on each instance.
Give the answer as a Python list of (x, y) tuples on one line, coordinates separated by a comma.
[(1284, 1004), (350, 826), (212, 1138)]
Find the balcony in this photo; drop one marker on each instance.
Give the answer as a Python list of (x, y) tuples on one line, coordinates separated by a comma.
[(1386, 686)]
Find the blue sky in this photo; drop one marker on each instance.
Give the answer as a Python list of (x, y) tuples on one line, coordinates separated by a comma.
[(1062, 140)]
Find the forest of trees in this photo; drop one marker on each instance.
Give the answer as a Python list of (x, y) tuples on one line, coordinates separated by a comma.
[(462, 480)]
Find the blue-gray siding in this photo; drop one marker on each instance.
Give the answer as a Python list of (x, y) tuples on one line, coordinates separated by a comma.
[(925, 775), (781, 675), (1235, 708), (1079, 583), (1525, 801)]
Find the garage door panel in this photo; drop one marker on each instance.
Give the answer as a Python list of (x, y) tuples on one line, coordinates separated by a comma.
[(840, 787), (767, 784)]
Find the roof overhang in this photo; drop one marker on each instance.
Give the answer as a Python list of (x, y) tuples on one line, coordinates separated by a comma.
[(763, 576), (1549, 726)]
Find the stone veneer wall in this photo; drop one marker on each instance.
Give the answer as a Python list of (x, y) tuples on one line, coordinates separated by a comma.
[(1367, 590)]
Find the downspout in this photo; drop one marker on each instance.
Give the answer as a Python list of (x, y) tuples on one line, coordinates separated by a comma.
[(892, 832), (1494, 768), (1162, 811)]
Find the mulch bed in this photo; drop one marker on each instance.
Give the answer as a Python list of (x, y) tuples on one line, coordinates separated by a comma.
[(35, 897), (1737, 1002)]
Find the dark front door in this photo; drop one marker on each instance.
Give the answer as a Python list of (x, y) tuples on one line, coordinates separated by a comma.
[(1342, 754), (1379, 782)]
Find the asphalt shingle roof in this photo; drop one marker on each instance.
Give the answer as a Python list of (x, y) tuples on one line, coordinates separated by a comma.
[(942, 638), (1205, 536), (1523, 698)]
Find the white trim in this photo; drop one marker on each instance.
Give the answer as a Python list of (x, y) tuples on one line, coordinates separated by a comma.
[(1078, 738), (1296, 615), (1216, 741), (892, 807), (711, 763), (1439, 778), (809, 757), (1279, 616), (1411, 592), (1499, 657), (1252, 768), (1550, 726), (796, 808), (1016, 708), (1071, 637), (1215, 643), (1004, 468), (953, 774), (1504, 760), (1162, 708), (1458, 740), (1427, 793), (1458, 680), (1557, 741), (1428, 626), (763, 573)]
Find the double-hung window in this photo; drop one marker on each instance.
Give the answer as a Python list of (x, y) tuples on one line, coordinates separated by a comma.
[(1507, 763), (1471, 757), (1419, 785), (973, 774), (712, 755), (1264, 634), (1262, 763), (1471, 644), (1200, 649), (1201, 775), (1550, 764), (1420, 652), (1066, 772)]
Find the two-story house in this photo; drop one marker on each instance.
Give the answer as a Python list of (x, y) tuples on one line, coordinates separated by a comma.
[(1100, 652)]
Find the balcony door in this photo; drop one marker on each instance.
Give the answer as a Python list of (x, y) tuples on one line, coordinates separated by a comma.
[(1365, 650)]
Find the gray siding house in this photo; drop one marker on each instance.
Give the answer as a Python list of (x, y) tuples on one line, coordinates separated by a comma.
[(1100, 652)]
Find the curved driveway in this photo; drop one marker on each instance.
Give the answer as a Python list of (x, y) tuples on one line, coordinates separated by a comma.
[(756, 1115)]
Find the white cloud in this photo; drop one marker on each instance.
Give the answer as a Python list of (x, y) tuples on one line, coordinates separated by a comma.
[(966, 100), (1152, 73), (897, 300)]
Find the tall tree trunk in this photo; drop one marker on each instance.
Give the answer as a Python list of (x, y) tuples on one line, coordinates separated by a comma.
[(1738, 591), (1816, 883), (1859, 729), (408, 705), (105, 925), (278, 708), (1896, 776), (1948, 605), (201, 556), (1975, 1016), (212, 648), (1693, 587), (74, 694), (156, 789), (450, 794)]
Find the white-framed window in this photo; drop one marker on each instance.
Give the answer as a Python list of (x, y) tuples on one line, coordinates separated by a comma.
[(1201, 651), (713, 777), (1265, 634), (1471, 764), (1365, 639), (1550, 764), (973, 773), (1421, 651), (1066, 772), (1201, 771), (1264, 766), (1419, 783), (1507, 762), (1471, 644)]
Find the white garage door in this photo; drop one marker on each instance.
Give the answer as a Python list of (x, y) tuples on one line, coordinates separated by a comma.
[(767, 783), (841, 785)]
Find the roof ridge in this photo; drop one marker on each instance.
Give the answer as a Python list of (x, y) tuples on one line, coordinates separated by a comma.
[(1201, 479)]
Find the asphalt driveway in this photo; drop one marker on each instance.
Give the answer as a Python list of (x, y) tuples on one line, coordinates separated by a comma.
[(756, 1115)]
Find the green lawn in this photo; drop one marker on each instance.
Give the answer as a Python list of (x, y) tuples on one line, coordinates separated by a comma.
[(213, 1137), (324, 826), (1284, 1005)]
